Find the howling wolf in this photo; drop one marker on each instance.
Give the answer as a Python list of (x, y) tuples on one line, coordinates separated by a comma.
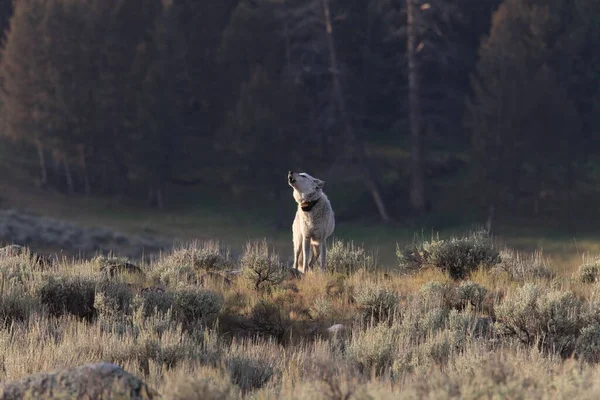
[(314, 221)]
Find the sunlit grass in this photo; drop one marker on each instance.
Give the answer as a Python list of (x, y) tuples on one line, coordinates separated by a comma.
[(191, 328)]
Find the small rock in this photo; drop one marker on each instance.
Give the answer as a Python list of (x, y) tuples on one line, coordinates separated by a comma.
[(92, 381), (337, 328)]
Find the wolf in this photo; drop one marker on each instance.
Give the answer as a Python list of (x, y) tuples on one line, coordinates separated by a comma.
[(314, 222)]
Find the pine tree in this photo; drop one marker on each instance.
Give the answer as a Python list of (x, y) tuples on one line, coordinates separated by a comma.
[(303, 55), (72, 73), (27, 80), (525, 121)]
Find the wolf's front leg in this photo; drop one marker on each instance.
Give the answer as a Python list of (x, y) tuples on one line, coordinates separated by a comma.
[(297, 256), (306, 253)]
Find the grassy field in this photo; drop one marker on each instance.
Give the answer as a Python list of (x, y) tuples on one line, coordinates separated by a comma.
[(512, 316), (461, 319), (234, 223)]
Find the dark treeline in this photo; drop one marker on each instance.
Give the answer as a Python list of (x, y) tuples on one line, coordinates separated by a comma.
[(393, 100)]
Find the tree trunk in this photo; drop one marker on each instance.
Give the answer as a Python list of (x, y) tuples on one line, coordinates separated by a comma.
[(490, 219), (570, 176), (359, 148), (56, 172), (105, 180), (86, 177), (43, 168), (119, 182), (288, 46), (68, 176), (150, 195), (160, 201), (417, 184)]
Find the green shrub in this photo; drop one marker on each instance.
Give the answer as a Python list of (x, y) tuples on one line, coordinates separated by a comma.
[(211, 350), (321, 308), (417, 255), (113, 298), (196, 305), (457, 257), (187, 264), (261, 266), (267, 319), (550, 318), (167, 349), (377, 303), (471, 293), (188, 306), (16, 269), (433, 320), (346, 258), (170, 354), (110, 266), (23, 255), (249, 373), (154, 300), (73, 295), (435, 294), (589, 272), (466, 325), (336, 285), (101, 261), (523, 269), (427, 312), (198, 386), (438, 348), (591, 310), (588, 343), (434, 337), (166, 273), (206, 256), (418, 323), (373, 349), (16, 306), (460, 257)]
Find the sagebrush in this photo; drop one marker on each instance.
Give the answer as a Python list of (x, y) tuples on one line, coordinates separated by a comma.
[(459, 257), (514, 328)]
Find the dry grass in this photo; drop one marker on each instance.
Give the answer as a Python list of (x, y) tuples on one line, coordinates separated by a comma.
[(508, 330)]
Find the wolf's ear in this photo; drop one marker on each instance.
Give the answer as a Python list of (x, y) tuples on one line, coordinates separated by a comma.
[(320, 183)]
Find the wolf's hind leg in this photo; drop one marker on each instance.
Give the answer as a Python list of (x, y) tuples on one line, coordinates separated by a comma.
[(314, 255)]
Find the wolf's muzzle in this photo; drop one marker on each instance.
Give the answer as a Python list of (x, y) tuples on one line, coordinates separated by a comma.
[(291, 177)]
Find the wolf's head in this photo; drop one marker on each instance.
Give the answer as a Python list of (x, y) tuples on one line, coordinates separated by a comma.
[(306, 187)]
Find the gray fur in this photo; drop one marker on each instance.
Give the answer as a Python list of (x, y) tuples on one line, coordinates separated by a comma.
[(310, 228)]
